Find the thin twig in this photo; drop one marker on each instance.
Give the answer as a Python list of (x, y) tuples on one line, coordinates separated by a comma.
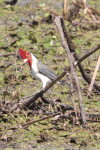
[(64, 9), (94, 76), (95, 11), (38, 120), (34, 121), (88, 54), (2, 55), (57, 14)]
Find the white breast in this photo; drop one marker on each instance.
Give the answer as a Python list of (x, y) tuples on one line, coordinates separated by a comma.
[(38, 75), (34, 63), (45, 80)]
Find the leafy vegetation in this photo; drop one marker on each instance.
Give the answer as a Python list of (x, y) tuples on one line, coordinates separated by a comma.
[(26, 25)]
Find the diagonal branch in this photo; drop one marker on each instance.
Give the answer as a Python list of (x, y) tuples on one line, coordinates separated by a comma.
[(26, 101), (94, 76), (72, 49), (58, 21), (88, 54)]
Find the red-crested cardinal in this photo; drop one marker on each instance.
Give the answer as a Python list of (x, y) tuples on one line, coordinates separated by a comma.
[(38, 69)]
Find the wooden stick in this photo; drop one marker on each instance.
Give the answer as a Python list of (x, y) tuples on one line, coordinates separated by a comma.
[(72, 49), (95, 11), (94, 76), (64, 9), (57, 14), (2, 55), (88, 54), (38, 120), (58, 24), (42, 91)]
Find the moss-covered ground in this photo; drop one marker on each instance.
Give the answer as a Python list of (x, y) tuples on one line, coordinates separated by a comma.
[(26, 26)]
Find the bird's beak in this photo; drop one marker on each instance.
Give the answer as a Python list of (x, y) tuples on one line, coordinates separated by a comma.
[(25, 60)]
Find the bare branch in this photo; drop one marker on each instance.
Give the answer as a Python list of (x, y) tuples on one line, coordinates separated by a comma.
[(88, 54), (72, 49), (26, 101), (57, 14), (9, 54), (58, 21), (64, 9), (94, 76), (38, 120)]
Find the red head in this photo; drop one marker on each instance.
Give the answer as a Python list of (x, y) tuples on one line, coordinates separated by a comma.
[(26, 56)]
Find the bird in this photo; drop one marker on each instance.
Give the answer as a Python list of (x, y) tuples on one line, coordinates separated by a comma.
[(39, 70)]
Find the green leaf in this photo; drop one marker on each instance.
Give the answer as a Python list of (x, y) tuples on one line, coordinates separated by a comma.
[(21, 34), (2, 43)]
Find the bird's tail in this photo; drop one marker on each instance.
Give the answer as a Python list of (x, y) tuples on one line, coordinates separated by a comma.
[(64, 83)]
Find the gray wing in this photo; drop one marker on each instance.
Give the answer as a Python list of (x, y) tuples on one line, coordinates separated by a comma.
[(43, 69)]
